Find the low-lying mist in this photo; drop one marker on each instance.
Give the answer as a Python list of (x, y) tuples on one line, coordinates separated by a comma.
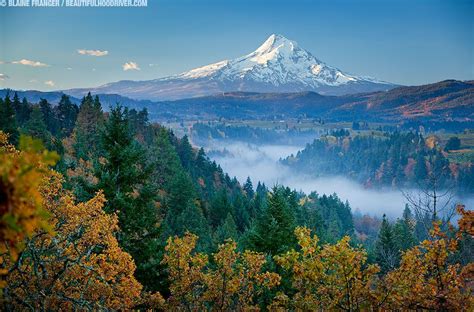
[(260, 163)]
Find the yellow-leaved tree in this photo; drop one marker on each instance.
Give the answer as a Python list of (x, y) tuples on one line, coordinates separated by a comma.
[(21, 206), (74, 263), (427, 280), (333, 277), (231, 282)]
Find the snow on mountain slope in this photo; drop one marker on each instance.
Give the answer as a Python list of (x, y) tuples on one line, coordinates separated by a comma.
[(277, 61), (278, 65)]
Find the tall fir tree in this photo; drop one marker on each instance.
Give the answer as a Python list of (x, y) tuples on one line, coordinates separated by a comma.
[(67, 114), (404, 230), (87, 131), (36, 127), (184, 212), (165, 159), (8, 120), (227, 230), (219, 208), (387, 253), (49, 116), (248, 188), (125, 180), (23, 112), (272, 232)]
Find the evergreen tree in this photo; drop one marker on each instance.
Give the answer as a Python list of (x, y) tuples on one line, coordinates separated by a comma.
[(36, 126), (87, 131), (124, 179), (227, 230), (184, 213), (404, 231), (219, 208), (164, 159), (49, 116), (192, 220), (23, 112), (8, 120), (248, 188), (241, 212), (386, 250), (67, 115), (420, 170), (185, 152), (16, 104), (273, 230), (22, 109)]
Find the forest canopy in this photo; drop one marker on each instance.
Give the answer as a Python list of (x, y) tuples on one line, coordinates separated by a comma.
[(107, 211)]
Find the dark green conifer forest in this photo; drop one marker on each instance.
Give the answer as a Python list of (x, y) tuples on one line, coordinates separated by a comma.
[(191, 229)]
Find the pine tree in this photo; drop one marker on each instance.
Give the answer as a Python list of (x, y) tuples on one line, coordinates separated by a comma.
[(164, 159), (23, 112), (193, 221), (386, 249), (87, 131), (124, 179), (36, 126), (241, 212), (22, 109), (67, 115), (272, 232), (219, 208), (404, 231), (185, 152), (420, 170), (8, 120), (227, 230), (183, 212), (248, 188), (49, 116)]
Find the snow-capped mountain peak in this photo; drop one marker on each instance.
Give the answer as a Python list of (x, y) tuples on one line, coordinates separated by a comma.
[(278, 61), (274, 44), (277, 65)]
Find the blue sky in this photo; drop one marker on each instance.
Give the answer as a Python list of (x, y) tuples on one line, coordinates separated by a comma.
[(402, 41)]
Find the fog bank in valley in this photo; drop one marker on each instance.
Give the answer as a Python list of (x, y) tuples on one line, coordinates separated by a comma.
[(261, 164)]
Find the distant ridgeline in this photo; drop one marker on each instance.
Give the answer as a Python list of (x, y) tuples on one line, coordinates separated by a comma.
[(134, 218), (203, 133), (387, 159), (143, 165)]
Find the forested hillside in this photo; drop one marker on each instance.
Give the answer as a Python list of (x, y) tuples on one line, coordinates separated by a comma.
[(387, 159), (109, 211)]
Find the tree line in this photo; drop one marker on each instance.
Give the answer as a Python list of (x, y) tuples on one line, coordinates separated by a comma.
[(109, 211), (400, 159)]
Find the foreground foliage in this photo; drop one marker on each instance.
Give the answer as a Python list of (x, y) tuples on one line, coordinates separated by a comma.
[(76, 264), (131, 217)]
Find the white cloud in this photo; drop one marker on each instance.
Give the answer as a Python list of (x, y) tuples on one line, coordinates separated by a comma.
[(49, 83), (93, 69), (92, 52), (69, 68), (4, 77), (33, 81), (30, 63), (130, 66), (152, 65)]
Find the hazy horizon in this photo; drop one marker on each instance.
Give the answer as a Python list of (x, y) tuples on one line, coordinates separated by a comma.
[(61, 48)]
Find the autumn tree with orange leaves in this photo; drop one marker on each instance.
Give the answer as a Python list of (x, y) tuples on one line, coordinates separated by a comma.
[(427, 280), (21, 207), (80, 266), (335, 277), (71, 260), (230, 282)]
